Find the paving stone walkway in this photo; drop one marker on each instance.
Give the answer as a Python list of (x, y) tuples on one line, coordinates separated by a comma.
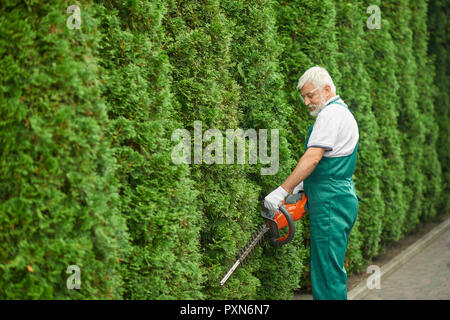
[(426, 276)]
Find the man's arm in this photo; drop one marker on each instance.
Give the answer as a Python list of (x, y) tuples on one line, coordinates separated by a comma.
[(304, 168)]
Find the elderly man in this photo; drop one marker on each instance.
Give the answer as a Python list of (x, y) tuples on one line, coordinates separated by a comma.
[(325, 172)]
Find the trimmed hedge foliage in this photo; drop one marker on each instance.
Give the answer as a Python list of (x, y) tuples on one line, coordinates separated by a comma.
[(88, 117)]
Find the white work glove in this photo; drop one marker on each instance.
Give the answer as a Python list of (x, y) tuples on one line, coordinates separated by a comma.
[(274, 199), (298, 188)]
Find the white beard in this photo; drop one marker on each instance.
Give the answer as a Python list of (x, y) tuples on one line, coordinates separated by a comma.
[(318, 108)]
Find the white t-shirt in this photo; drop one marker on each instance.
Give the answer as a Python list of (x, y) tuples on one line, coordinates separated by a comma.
[(335, 130)]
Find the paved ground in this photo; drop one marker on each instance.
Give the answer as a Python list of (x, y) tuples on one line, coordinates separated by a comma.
[(426, 276), (417, 267)]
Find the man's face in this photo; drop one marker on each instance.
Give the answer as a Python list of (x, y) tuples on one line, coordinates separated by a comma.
[(313, 98)]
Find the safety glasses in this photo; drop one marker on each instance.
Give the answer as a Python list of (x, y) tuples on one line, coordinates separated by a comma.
[(309, 95)]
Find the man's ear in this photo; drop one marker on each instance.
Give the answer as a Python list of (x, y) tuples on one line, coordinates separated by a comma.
[(327, 89)]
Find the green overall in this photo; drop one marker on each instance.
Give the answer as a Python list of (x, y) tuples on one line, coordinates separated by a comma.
[(333, 206)]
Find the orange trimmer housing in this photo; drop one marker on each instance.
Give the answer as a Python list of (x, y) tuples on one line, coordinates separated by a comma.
[(291, 210), (296, 210)]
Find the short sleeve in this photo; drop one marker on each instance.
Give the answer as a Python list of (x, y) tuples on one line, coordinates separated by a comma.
[(324, 132)]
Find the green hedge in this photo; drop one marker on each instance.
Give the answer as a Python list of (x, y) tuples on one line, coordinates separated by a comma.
[(157, 198), (87, 127), (353, 52), (59, 193), (381, 64), (437, 26)]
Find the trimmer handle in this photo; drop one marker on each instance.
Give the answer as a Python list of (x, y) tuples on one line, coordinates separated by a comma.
[(291, 210), (291, 228)]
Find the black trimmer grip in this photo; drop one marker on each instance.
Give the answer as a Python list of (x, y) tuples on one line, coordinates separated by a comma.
[(291, 226)]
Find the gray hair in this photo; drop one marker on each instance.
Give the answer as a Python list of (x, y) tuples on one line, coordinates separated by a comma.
[(318, 77)]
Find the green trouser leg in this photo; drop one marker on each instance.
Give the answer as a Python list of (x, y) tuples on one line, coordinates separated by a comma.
[(333, 213)]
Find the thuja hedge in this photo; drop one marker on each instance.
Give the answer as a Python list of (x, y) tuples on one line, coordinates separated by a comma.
[(157, 198), (199, 38), (430, 165), (59, 191), (437, 26), (258, 72), (86, 124), (381, 64), (355, 89)]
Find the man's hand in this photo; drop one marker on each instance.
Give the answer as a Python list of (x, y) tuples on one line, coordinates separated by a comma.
[(274, 199)]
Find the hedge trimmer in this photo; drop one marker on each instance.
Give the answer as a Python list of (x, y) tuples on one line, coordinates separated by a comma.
[(292, 209)]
